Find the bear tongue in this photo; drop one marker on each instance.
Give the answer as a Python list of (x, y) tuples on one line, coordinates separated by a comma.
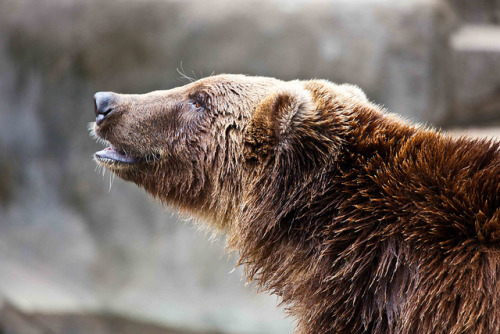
[(112, 153)]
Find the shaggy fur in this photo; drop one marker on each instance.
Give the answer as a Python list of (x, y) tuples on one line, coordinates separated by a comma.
[(360, 222)]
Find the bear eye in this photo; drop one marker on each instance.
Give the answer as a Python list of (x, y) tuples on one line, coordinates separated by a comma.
[(197, 105)]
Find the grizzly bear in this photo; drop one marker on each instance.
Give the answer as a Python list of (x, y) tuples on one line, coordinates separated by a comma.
[(357, 220)]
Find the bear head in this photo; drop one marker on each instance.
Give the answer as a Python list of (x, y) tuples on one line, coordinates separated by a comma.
[(202, 145)]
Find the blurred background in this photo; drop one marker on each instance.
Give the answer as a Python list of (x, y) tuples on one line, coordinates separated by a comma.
[(81, 253)]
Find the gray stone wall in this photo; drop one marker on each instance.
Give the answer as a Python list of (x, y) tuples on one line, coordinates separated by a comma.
[(476, 62), (74, 240)]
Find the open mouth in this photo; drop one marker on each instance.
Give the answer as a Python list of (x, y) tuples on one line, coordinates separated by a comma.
[(112, 155)]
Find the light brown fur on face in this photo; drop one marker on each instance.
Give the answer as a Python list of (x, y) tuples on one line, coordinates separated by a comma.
[(360, 222), (193, 154)]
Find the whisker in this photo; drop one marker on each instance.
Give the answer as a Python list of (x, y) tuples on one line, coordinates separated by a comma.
[(111, 179), (183, 74)]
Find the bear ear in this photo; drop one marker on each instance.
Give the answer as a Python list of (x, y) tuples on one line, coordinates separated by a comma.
[(278, 121)]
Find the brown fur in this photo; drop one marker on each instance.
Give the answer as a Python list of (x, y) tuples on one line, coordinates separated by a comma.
[(360, 222)]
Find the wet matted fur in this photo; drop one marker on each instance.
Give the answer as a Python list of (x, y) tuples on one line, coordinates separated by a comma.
[(359, 221)]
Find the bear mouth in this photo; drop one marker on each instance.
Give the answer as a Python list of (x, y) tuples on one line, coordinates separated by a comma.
[(115, 158), (112, 156)]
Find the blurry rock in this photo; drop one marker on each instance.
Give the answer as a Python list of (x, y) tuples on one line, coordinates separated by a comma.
[(14, 321), (476, 74), (396, 51), (477, 11)]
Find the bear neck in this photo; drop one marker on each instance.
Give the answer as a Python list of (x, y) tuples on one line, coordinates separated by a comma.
[(281, 230)]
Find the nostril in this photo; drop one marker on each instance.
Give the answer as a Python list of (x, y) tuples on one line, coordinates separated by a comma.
[(103, 105), (99, 119), (96, 112), (101, 116)]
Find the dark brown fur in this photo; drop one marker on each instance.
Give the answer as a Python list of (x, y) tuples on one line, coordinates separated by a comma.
[(360, 222)]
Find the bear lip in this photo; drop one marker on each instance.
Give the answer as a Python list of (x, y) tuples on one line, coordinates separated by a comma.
[(113, 155)]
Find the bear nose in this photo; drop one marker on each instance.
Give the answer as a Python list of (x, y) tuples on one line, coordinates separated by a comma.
[(103, 105)]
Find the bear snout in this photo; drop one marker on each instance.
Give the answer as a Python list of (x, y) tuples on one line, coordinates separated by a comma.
[(103, 105)]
